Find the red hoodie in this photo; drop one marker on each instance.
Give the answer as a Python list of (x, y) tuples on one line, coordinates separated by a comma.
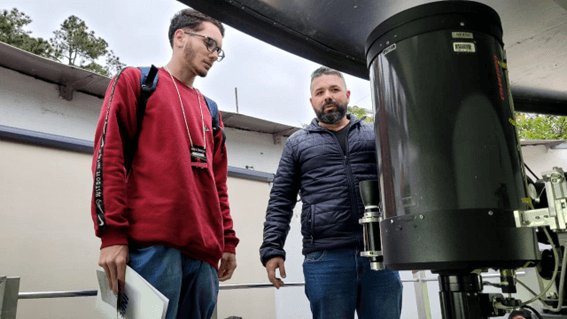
[(161, 199)]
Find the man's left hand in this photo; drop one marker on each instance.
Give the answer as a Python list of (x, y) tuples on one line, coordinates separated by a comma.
[(227, 266)]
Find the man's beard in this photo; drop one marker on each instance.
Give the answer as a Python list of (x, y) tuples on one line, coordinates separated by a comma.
[(334, 116), (190, 55)]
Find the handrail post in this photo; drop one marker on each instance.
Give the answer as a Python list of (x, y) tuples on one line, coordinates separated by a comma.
[(214, 316), (9, 288), (421, 295)]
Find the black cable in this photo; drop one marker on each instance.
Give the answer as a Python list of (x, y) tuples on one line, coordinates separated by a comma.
[(532, 310), (488, 283), (537, 178)]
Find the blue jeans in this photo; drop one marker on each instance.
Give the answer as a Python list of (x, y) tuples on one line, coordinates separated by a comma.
[(338, 282), (191, 285)]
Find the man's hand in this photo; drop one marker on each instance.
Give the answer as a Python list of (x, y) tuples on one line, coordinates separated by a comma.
[(227, 266), (271, 265), (114, 259)]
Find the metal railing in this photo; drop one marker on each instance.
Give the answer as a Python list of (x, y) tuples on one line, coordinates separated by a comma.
[(87, 293), (9, 307), (57, 294)]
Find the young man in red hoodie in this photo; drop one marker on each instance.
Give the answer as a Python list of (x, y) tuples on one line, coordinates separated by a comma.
[(163, 210)]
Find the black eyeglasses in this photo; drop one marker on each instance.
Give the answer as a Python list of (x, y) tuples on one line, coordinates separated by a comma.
[(211, 44)]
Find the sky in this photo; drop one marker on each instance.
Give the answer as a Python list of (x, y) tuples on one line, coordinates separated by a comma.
[(271, 83)]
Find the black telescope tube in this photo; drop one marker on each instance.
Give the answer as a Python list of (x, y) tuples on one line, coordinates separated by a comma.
[(448, 155)]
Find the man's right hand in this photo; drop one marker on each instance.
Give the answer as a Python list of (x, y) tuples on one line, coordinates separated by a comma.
[(271, 265), (114, 259)]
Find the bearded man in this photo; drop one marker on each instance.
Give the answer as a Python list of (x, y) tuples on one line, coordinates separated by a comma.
[(326, 162)]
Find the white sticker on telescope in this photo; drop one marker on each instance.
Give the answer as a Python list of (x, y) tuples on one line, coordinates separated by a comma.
[(462, 35), (467, 47), (389, 49)]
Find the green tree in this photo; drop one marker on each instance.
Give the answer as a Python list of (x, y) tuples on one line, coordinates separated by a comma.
[(12, 24), (113, 63), (81, 47), (541, 127), (360, 112), (73, 43)]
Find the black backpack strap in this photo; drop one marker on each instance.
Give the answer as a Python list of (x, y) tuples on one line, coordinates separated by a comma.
[(214, 110), (148, 84)]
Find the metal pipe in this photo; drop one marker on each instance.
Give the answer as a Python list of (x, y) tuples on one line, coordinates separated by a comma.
[(88, 293), (246, 286), (56, 294)]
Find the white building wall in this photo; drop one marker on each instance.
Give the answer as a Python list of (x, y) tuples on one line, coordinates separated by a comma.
[(33, 104), (46, 232), (253, 150), (541, 159)]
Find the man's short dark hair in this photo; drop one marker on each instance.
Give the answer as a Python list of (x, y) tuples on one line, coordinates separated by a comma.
[(524, 313), (325, 71), (190, 19)]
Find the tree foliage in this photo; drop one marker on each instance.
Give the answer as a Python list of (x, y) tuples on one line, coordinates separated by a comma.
[(12, 31), (360, 112), (541, 127), (73, 43), (81, 47)]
